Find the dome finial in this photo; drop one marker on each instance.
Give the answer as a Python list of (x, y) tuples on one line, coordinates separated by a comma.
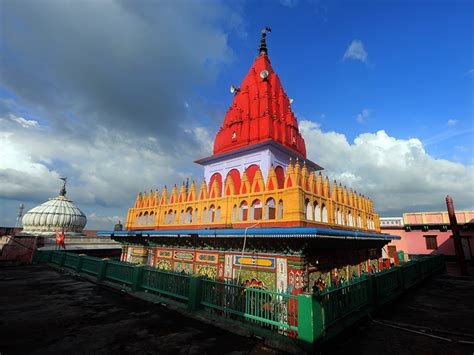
[(62, 192), (263, 41)]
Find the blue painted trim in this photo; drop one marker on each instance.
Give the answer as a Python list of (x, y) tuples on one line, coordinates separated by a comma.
[(275, 232)]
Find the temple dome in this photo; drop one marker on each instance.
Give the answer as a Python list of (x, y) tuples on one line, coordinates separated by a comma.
[(55, 214)]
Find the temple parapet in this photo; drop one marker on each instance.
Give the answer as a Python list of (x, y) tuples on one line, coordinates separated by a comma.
[(296, 197)]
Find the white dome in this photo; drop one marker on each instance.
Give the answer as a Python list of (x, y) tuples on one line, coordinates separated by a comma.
[(55, 214)]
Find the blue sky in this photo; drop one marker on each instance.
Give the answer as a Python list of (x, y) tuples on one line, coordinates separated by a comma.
[(417, 76), (122, 96)]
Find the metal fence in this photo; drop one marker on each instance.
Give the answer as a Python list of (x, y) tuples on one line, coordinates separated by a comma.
[(310, 317), (269, 309), (122, 273), (168, 284), (91, 265)]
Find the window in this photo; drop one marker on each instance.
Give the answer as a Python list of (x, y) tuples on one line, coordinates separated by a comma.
[(243, 211), (324, 214), (212, 214), (188, 218), (256, 210), (270, 209), (317, 212), (309, 210), (431, 242)]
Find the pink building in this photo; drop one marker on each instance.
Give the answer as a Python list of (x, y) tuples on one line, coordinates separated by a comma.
[(429, 233)]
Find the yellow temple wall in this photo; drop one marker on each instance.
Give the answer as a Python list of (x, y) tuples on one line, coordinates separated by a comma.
[(286, 206)]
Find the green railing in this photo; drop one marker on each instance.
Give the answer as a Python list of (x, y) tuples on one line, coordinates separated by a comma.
[(164, 283), (410, 273), (311, 317), (91, 265), (388, 284), (326, 314), (57, 258), (224, 297), (345, 302), (71, 260), (277, 311), (122, 273)]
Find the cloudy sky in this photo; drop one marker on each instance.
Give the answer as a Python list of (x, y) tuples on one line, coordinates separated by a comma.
[(122, 96)]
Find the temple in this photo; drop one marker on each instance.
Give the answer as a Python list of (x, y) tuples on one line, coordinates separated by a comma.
[(263, 214)]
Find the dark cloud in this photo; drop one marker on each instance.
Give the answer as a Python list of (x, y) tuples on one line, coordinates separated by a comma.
[(125, 65)]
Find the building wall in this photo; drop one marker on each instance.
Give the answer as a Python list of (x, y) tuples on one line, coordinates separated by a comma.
[(281, 272), (414, 242)]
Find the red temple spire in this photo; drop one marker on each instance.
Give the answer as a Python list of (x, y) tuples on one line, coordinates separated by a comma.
[(260, 111)]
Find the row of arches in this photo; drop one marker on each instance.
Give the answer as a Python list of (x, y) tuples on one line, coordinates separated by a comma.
[(254, 211), (249, 173), (316, 212), (319, 213)]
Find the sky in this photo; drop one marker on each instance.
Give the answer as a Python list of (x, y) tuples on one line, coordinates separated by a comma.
[(123, 96)]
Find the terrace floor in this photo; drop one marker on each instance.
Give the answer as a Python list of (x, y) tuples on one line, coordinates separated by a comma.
[(44, 311)]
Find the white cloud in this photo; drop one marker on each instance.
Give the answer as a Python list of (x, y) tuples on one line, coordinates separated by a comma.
[(363, 116), (23, 121), (398, 174), (108, 170), (356, 51), (95, 221), (452, 122)]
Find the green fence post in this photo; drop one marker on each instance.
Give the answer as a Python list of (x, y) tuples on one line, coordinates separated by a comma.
[(36, 256), (400, 278), (418, 271), (372, 291), (50, 256), (310, 322), (63, 259), (195, 290), (137, 277), (80, 262), (102, 269)]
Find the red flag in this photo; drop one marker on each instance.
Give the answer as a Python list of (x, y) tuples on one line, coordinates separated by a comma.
[(61, 240)]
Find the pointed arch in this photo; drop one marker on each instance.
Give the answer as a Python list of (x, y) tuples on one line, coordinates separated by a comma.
[(250, 171), (280, 176), (218, 178), (258, 183), (229, 186), (234, 174)]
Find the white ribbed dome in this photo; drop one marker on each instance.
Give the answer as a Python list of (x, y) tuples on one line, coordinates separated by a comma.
[(55, 214)]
